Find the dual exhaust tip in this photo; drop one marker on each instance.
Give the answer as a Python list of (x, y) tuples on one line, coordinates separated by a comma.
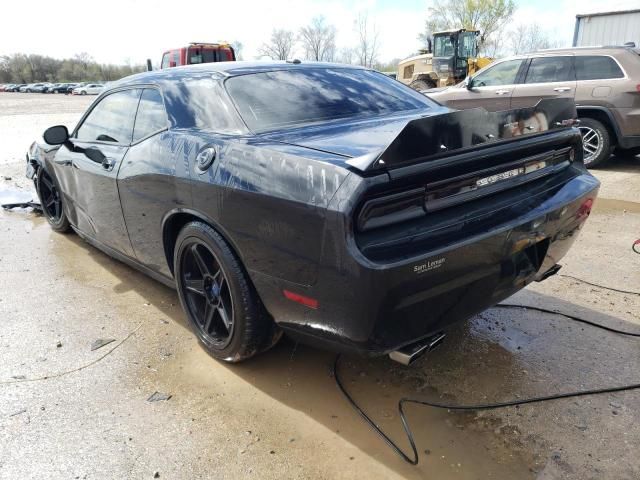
[(410, 353)]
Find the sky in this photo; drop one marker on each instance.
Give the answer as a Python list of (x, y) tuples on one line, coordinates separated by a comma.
[(122, 31)]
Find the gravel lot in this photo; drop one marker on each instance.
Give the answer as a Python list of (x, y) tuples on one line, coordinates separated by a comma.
[(69, 412)]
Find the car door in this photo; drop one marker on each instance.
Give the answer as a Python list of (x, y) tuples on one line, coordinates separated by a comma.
[(87, 166), (547, 76), (491, 88), (152, 181)]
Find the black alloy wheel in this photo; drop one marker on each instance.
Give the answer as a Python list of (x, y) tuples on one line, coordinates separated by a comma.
[(51, 201), (221, 303), (207, 293)]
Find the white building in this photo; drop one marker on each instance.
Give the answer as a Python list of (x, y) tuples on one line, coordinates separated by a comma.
[(607, 28)]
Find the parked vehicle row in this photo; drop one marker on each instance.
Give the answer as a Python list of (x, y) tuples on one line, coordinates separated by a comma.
[(66, 88)]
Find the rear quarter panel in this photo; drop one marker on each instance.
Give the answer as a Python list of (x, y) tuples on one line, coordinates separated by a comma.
[(270, 201)]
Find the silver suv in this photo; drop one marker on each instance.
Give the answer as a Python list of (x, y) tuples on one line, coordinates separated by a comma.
[(604, 81)]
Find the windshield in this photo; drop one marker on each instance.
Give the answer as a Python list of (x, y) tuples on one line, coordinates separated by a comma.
[(270, 100), (443, 46)]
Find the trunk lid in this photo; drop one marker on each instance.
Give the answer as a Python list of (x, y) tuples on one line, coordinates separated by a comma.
[(398, 141)]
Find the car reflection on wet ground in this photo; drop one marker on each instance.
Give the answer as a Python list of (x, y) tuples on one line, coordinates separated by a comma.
[(281, 415)]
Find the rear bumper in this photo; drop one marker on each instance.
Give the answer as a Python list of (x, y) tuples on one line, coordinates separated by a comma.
[(373, 309)]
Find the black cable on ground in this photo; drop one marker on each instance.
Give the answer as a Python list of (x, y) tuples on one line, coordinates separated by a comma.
[(413, 459), (602, 286)]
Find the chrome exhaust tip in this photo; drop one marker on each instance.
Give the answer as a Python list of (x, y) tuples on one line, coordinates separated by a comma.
[(409, 354)]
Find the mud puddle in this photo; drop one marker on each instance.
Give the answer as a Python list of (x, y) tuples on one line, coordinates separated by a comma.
[(608, 205)]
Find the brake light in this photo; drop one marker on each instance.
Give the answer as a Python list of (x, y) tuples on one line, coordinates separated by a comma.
[(301, 299), (585, 209), (638, 87)]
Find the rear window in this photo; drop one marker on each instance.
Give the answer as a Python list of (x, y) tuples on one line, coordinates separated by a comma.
[(271, 100), (550, 69), (597, 67)]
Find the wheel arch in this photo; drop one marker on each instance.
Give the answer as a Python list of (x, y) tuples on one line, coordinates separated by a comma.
[(604, 116), (176, 219)]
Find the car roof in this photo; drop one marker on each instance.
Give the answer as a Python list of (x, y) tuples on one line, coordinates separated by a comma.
[(225, 69), (604, 50)]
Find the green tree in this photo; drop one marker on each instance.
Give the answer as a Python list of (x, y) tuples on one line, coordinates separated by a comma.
[(488, 16)]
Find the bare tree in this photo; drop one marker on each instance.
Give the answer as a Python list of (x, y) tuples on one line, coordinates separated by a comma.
[(488, 16), (347, 55), (280, 45), (527, 38), (319, 40), (84, 59), (368, 43), (22, 68)]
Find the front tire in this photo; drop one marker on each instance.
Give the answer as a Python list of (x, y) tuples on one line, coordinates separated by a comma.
[(51, 202), (596, 142), (83, 92), (222, 306)]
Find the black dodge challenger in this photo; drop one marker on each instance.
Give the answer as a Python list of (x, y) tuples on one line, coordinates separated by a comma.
[(327, 201)]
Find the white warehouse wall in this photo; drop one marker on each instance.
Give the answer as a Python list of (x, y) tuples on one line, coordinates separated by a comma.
[(615, 28)]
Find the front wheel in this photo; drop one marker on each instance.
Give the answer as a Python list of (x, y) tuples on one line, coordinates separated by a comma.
[(222, 306), (51, 202), (596, 142)]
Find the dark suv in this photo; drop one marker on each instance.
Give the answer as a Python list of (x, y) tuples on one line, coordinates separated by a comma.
[(603, 81)]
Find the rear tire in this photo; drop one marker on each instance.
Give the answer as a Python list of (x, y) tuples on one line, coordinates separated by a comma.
[(51, 201), (596, 142), (222, 306)]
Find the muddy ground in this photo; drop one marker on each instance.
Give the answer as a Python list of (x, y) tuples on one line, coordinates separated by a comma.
[(69, 412)]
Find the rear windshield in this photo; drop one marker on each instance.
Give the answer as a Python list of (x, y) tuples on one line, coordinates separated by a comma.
[(271, 100)]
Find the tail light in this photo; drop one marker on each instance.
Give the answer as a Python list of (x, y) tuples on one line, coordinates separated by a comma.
[(398, 207), (585, 209)]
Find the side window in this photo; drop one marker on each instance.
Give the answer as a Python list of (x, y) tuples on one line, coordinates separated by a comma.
[(151, 115), (408, 71), (165, 61), (175, 60), (112, 119), (550, 69), (501, 74), (597, 68)]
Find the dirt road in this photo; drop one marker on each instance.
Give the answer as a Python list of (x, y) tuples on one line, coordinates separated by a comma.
[(69, 412)]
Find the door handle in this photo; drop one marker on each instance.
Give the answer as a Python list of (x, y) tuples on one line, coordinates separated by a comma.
[(502, 92), (562, 89), (108, 163)]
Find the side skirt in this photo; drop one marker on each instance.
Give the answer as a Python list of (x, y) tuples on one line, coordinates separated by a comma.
[(169, 282)]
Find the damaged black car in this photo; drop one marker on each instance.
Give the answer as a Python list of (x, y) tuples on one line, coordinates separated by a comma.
[(326, 201)]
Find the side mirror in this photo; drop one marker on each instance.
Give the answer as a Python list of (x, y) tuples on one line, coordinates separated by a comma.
[(468, 83), (56, 135)]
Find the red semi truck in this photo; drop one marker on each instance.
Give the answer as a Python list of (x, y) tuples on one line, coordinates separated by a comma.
[(197, 52)]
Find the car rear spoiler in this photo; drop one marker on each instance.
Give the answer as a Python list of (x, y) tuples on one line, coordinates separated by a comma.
[(438, 136)]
